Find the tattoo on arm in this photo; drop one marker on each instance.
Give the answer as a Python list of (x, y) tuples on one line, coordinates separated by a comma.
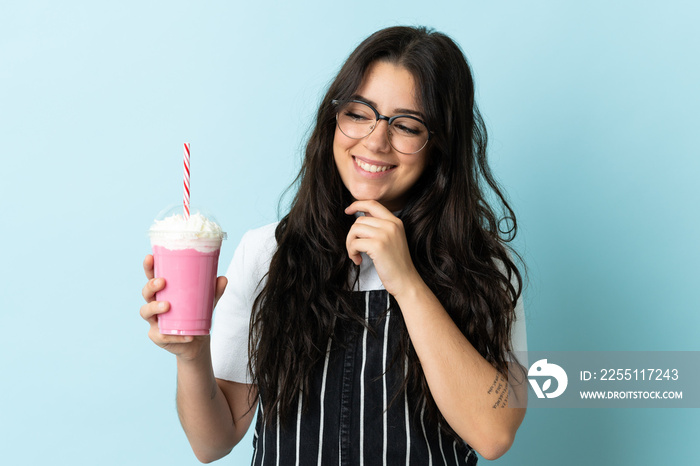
[(499, 389)]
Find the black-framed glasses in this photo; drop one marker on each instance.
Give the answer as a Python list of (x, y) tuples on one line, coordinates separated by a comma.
[(357, 119)]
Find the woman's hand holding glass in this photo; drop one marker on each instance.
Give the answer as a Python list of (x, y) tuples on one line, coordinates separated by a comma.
[(183, 346)]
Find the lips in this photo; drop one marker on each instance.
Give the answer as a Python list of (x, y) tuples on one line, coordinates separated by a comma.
[(372, 167)]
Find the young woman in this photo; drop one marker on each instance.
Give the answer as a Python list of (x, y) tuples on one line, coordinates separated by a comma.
[(375, 323)]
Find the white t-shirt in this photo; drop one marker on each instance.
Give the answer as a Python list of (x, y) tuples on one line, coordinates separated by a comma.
[(251, 261)]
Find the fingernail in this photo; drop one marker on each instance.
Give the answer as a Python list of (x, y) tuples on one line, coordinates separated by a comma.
[(161, 305)]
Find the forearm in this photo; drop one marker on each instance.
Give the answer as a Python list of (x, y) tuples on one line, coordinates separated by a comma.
[(470, 393), (204, 412)]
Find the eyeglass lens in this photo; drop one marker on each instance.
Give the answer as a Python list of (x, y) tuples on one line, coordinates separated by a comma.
[(407, 135)]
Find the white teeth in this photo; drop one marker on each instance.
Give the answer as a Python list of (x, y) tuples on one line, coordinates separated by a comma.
[(372, 168)]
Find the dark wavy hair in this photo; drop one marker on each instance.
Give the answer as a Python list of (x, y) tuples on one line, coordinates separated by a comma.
[(452, 231)]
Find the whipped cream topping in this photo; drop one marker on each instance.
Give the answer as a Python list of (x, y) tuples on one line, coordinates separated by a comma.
[(198, 232)]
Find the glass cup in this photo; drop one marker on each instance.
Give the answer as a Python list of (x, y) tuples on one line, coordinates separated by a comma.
[(186, 255)]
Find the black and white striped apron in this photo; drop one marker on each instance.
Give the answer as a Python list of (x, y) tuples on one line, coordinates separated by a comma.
[(350, 419)]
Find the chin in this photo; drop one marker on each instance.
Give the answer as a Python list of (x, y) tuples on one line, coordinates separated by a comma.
[(364, 196)]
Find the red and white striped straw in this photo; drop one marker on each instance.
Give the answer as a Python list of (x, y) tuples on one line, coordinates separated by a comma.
[(186, 198)]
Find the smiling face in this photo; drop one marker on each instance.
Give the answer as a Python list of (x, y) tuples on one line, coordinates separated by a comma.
[(370, 168)]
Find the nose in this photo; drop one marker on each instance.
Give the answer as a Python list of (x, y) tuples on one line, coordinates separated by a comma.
[(378, 140)]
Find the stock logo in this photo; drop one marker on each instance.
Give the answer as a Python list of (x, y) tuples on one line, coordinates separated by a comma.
[(547, 371)]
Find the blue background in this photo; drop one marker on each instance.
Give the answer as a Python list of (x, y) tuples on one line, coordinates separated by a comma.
[(592, 109)]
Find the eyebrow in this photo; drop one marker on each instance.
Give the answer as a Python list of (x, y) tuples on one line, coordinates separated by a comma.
[(397, 111)]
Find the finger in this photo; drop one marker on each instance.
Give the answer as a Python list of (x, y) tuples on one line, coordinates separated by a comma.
[(383, 229), (148, 266), (162, 339), (151, 310), (374, 222), (359, 240), (364, 230), (353, 252), (373, 208), (358, 246), (355, 258), (359, 230), (221, 283), (152, 287)]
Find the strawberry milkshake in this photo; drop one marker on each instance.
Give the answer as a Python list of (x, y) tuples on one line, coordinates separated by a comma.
[(186, 255)]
